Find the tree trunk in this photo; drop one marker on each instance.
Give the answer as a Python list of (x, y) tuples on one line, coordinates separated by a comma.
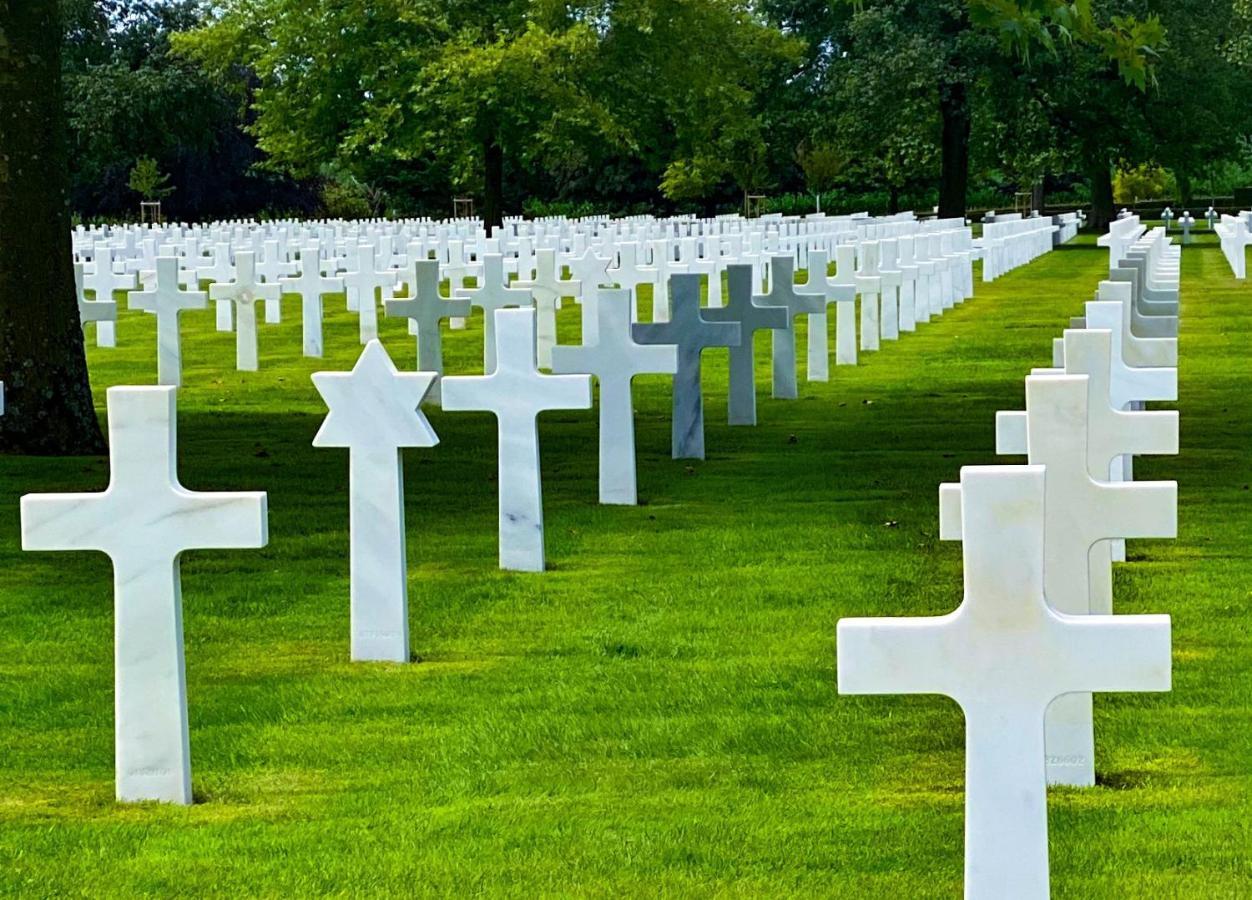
[(1101, 196), (493, 187), (1185, 193), (954, 147), (48, 405), (893, 199), (1037, 195)]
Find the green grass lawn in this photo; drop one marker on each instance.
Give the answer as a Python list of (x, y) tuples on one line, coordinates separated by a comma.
[(657, 714)]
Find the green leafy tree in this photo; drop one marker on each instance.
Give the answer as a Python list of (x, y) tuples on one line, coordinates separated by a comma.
[(148, 181), (462, 89), (822, 165)]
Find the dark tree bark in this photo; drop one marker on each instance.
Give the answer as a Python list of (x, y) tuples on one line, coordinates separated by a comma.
[(1101, 196), (48, 406), (493, 183), (954, 149), (1038, 196), (893, 199)]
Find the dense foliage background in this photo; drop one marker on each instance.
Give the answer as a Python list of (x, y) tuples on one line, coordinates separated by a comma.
[(364, 107)]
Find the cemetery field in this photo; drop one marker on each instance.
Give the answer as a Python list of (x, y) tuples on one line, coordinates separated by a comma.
[(657, 714)]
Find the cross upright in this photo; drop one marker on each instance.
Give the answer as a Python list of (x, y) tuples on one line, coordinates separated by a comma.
[(590, 271), (1111, 431), (782, 292), (630, 273), (1130, 384), (374, 410), (364, 284), (908, 284), (1081, 514), (692, 333), (272, 268), (615, 359), (102, 312), (311, 285), (819, 285), (243, 292), (145, 521), (1004, 655), (167, 301), (547, 289), (426, 308), (492, 295), (843, 293), (517, 392), (869, 286), (742, 307), (891, 279), (102, 281), (220, 270)]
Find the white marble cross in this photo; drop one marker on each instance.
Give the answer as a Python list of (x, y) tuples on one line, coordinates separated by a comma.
[(426, 308), (752, 317), (167, 301), (630, 273), (818, 286), (590, 271), (144, 521), (220, 270), (374, 411), (547, 289), (869, 286), (492, 295), (1004, 655), (1081, 513), (516, 391), (843, 294), (364, 283), (311, 285), (782, 292), (891, 279), (102, 281), (615, 359), (271, 268), (102, 312), (243, 293), (692, 333)]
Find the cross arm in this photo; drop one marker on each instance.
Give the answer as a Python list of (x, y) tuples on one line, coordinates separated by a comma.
[(221, 521), (1112, 653), (895, 655), (64, 521), (1141, 509)]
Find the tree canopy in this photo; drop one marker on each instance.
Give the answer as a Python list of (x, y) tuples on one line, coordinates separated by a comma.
[(355, 107)]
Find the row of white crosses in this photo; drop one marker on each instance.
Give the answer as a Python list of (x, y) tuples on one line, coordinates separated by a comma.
[(242, 277), (1234, 237), (1012, 241), (1035, 635), (374, 411)]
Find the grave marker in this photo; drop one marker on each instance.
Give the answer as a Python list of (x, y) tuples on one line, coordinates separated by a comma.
[(1004, 655), (145, 521), (374, 410), (516, 392)]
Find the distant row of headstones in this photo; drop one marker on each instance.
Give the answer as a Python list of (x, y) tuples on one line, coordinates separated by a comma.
[(1035, 634)]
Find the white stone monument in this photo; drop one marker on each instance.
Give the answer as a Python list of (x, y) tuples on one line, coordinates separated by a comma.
[(311, 286), (144, 521), (167, 301), (243, 293), (516, 392), (615, 359), (492, 295), (374, 411), (1004, 655)]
